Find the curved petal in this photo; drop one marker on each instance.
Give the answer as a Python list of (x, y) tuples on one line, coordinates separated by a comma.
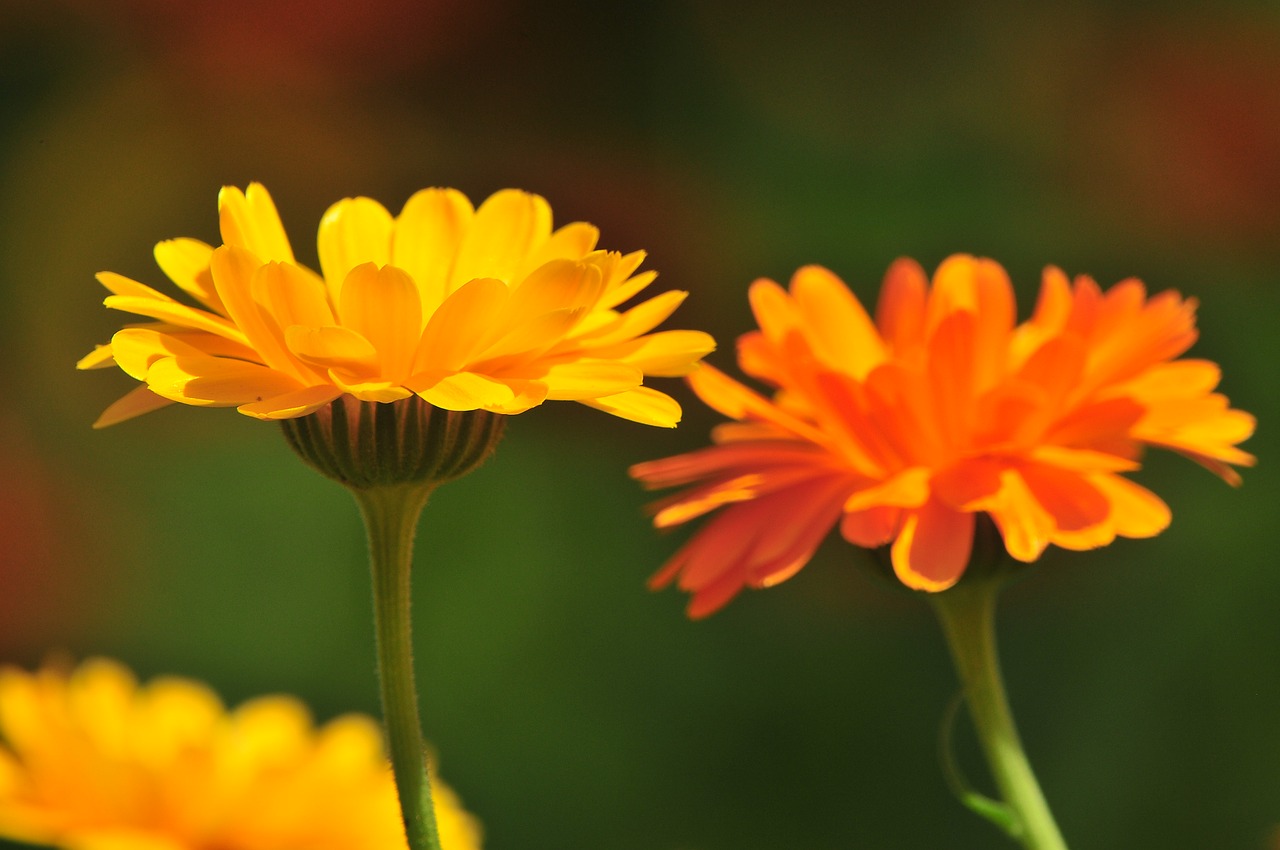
[(428, 232), (933, 547), (838, 328), (507, 227), (333, 347), (666, 354), (463, 391), (136, 402), (249, 220), (585, 379), (461, 326), (186, 263), (383, 306), (292, 404), (643, 404), (353, 231), (216, 381)]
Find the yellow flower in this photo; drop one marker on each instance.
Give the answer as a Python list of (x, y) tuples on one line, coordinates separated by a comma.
[(469, 309), (92, 761), (905, 428)]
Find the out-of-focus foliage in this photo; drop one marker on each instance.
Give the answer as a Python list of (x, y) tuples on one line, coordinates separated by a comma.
[(730, 140)]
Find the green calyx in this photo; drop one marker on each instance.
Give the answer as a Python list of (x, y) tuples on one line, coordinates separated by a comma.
[(363, 445)]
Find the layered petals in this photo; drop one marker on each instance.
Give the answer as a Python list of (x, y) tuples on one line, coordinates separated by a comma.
[(483, 308), (90, 758), (906, 429)]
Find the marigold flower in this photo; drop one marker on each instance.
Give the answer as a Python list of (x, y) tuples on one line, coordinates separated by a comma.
[(470, 309), (92, 761), (904, 428)]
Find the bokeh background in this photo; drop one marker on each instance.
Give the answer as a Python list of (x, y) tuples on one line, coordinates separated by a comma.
[(731, 139)]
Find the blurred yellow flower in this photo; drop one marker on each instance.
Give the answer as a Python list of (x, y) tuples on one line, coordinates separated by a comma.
[(903, 429), (470, 309), (89, 760)]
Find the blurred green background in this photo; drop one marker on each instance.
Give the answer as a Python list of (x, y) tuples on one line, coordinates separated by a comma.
[(572, 708)]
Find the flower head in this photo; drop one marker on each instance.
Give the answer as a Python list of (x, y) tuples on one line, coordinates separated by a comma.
[(905, 428), (91, 761), (469, 309)]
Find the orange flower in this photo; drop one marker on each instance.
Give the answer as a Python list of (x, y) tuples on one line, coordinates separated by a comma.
[(905, 428)]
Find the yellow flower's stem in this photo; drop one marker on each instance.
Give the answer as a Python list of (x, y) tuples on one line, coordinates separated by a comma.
[(390, 518), (967, 613)]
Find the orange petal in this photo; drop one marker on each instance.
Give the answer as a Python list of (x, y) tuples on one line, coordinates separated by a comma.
[(1135, 510), (933, 547), (901, 309), (871, 528), (838, 328)]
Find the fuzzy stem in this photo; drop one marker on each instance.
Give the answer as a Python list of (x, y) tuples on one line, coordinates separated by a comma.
[(967, 614), (391, 517)]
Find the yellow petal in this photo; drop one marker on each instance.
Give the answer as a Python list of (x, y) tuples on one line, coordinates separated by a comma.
[(461, 327), (136, 349), (333, 347), (136, 402), (1025, 526), (640, 319), (555, 285), (353, 231), (907, 489), (291, 295), (463, 391), (590, 379), (383, 306), (526, 340), (643, 404), (186, 263), (121, 285), (292, 404), (1135, 510), (99, 358), (234, 271), (249, 220), (616, 295), (571, 242), (426, 239), (667, 354), (216, 381), (364, 389), (177, 314), (507, 227)]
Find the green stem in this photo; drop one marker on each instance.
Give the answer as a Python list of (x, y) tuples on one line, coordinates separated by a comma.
[(967, 613), (390, 518)]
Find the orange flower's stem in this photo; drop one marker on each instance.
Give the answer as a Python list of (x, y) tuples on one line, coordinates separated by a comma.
[(967, 613), (390, 518)]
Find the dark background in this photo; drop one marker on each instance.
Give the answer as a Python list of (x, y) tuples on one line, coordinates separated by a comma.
[(571, 707)]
